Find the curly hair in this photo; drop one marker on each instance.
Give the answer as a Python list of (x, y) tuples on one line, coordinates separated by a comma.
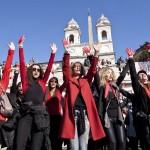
[(82, 68), (103, 73)]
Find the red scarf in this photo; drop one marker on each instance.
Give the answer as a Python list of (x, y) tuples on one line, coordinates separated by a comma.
[(147, 89), (108, 88)]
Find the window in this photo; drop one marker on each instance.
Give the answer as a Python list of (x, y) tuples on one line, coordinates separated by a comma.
[(104, 35), (71, 38)]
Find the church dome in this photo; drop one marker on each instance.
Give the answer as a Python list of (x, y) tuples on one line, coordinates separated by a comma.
[(103, 21), (72, 24)]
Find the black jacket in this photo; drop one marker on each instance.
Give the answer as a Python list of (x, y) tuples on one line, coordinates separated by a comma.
[(141, 97)]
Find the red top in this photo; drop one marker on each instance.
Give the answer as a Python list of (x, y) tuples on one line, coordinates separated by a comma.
[(53, 103), (23, 72), (5, 77), (73, 87)]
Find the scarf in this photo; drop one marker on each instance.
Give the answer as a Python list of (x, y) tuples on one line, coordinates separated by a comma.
[(108, 88)]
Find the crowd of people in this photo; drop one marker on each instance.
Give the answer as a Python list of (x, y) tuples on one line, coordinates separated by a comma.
[(86, 112)]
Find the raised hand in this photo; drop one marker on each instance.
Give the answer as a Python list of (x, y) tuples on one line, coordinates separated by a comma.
[(130, 52), (21, 41), (86, 50), (11, 46), (53, 47)]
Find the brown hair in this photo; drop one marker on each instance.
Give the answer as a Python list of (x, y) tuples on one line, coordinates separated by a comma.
[(82, 68), (30, 75)]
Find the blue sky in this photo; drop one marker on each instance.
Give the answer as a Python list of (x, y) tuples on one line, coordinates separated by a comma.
[(43, 22)]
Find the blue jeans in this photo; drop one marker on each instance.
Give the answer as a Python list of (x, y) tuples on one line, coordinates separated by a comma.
[(80, 142)]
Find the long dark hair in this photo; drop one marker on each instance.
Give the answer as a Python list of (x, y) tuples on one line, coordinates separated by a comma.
[(51, 79), (30, 75), (82, 68)]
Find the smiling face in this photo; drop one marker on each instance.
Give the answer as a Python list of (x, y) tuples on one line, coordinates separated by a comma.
[(36, 71)]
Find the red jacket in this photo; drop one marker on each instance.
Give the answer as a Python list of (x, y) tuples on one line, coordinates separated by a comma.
[(23, 71), (73, 88), (5, 77)]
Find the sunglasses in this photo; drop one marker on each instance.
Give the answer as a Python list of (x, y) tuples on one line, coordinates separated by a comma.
[(36, 69)]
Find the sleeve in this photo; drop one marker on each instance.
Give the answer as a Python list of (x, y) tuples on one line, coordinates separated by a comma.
[(49, 67), (66, 66), (133, 74), (7, 69), (126, 94), (122, 74), (92, 70), (23, 70)]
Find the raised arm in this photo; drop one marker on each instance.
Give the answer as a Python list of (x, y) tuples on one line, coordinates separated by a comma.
[(7, 67), (122, 74), (133, 74), (92, 70), (23, 69), (66, 61), (50, 63)]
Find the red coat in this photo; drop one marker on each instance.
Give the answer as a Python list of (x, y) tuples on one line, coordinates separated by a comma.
[(73, 88), (5, 77)]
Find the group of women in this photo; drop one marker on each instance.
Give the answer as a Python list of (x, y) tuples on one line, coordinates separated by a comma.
[(43, 119)]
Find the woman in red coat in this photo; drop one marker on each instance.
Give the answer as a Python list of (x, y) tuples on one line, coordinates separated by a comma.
[(80, 117)]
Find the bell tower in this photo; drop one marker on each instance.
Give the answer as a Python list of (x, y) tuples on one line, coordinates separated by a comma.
[(103, 27), (72, 32)]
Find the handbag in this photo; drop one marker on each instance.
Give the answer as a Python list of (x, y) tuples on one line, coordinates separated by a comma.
[(6, 108)]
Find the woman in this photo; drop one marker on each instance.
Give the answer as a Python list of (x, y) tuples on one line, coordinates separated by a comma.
[(141, 88), (54, 105), (34, 122), (80, 114), (5, 79), (109, 109)]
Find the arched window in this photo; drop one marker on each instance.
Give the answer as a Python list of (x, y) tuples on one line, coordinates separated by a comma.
[(71, 38), (104, 35)]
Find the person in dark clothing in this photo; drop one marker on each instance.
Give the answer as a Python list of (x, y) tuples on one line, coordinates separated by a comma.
[(34, 121), (9, 127), (109, 108), (141, 90), (16, 88), (99, 84)]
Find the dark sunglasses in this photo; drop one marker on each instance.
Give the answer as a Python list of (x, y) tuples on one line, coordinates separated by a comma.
[(35, 69)]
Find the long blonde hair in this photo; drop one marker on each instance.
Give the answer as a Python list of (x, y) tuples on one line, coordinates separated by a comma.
[(103, 73)]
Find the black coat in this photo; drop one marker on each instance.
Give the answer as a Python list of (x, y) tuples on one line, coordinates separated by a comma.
[(141, 97)]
